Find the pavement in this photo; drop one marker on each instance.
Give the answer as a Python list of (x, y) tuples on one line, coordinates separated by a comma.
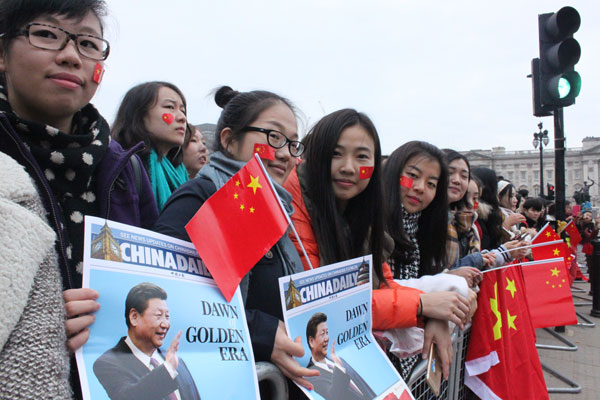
[(581, 366)]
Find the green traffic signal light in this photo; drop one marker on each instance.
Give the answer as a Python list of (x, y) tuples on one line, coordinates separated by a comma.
[(564, 87), (556, 83)]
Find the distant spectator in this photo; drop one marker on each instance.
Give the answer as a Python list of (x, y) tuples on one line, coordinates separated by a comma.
[(195, 152), (532, 210)]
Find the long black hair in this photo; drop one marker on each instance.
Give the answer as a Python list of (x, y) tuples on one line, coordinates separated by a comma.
[(363, 213), (433, 222), (489, 195), (129, 128), (452, 155)]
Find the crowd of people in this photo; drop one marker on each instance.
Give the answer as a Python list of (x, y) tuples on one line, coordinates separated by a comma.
[(431, 223)]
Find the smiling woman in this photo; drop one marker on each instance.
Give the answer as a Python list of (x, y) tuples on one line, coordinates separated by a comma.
[(57, 166)]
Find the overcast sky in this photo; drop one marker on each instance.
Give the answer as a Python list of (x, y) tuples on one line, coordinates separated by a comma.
[(449, 72)]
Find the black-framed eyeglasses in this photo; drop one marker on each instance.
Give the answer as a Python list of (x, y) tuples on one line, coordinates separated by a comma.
[(277, 140), (49, 37)]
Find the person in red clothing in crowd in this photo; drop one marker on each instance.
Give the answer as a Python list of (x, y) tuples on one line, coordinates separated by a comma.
[(338, 216)]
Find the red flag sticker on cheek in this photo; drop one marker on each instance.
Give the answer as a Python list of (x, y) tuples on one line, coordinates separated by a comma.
[(168, 118), (366, 172), (264, 151), (98, 73), (406, 181), (475, 205)]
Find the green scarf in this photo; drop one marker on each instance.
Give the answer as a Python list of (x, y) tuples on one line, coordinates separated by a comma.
[(165, 177)]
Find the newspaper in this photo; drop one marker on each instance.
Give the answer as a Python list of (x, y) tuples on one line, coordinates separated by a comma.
[(329, 308), (214, 357)]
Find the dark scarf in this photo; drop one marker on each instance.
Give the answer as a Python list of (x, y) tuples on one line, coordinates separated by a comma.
[(69, 161), (409, 268)]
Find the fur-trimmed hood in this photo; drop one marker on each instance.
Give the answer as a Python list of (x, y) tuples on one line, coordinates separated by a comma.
[(483, 211)]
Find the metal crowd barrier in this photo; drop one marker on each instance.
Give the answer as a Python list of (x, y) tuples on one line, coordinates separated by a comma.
[(271, 375), (452, 389)]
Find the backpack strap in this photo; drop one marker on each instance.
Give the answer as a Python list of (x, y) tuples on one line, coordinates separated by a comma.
[(137, 173)]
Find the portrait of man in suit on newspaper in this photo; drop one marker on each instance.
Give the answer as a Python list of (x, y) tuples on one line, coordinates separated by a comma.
[(338, 380), (136, 368)]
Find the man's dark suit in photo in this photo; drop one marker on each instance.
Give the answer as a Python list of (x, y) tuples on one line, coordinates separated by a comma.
[(337, 379), (136, 368), (338, 386), (125, 377)]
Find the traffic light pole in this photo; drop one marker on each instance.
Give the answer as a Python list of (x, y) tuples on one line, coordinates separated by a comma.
[(559, 168), (559, 163)]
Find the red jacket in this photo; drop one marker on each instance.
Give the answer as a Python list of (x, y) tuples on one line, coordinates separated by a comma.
[(394, 306)]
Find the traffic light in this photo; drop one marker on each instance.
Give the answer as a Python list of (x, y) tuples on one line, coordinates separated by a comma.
[(557, 81), (550, 192)]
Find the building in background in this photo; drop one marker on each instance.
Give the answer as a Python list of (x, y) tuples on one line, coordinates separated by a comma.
[(522, 167)]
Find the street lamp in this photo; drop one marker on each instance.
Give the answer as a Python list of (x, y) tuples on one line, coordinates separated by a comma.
[(541, 138)]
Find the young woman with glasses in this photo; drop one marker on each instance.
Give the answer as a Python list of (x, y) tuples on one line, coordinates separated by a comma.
[(247, 119), (57, 166), (155, 113)]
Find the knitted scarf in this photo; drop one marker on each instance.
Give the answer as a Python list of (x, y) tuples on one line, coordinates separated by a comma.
[(412, 257), (69, 162), (165, 177), (409, 269), (462, 239)]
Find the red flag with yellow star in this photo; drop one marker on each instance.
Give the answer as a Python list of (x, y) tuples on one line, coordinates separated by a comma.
[(549, 293), (546, 234), (502, 361), (237, 226), (366, 172), (264, 151), (573, 233)]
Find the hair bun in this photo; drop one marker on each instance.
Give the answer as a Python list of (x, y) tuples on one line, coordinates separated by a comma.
[(224, 95)]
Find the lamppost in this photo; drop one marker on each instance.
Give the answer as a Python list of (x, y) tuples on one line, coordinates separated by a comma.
[(541, 138)]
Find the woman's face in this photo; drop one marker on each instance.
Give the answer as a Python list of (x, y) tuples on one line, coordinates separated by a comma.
[(425, 174), (355, 149), (165, 121), (195, 154), (458, 180), (532, 214), (473, 196), (50, 86), (279, 117), (509, 200)]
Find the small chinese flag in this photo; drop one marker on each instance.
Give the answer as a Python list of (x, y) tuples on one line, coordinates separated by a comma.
[(168, 118), (546, 234), (406, 182), (236, 226), (98, 73), (502, 361), (366, 172), (573, 233), (264, 151), (549, 293)]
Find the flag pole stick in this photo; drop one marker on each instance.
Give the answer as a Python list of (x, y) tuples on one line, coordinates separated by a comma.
[(531, 246), (525, 264), (283, 210)]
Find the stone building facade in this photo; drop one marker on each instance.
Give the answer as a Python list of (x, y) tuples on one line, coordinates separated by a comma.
[(522, 167)]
